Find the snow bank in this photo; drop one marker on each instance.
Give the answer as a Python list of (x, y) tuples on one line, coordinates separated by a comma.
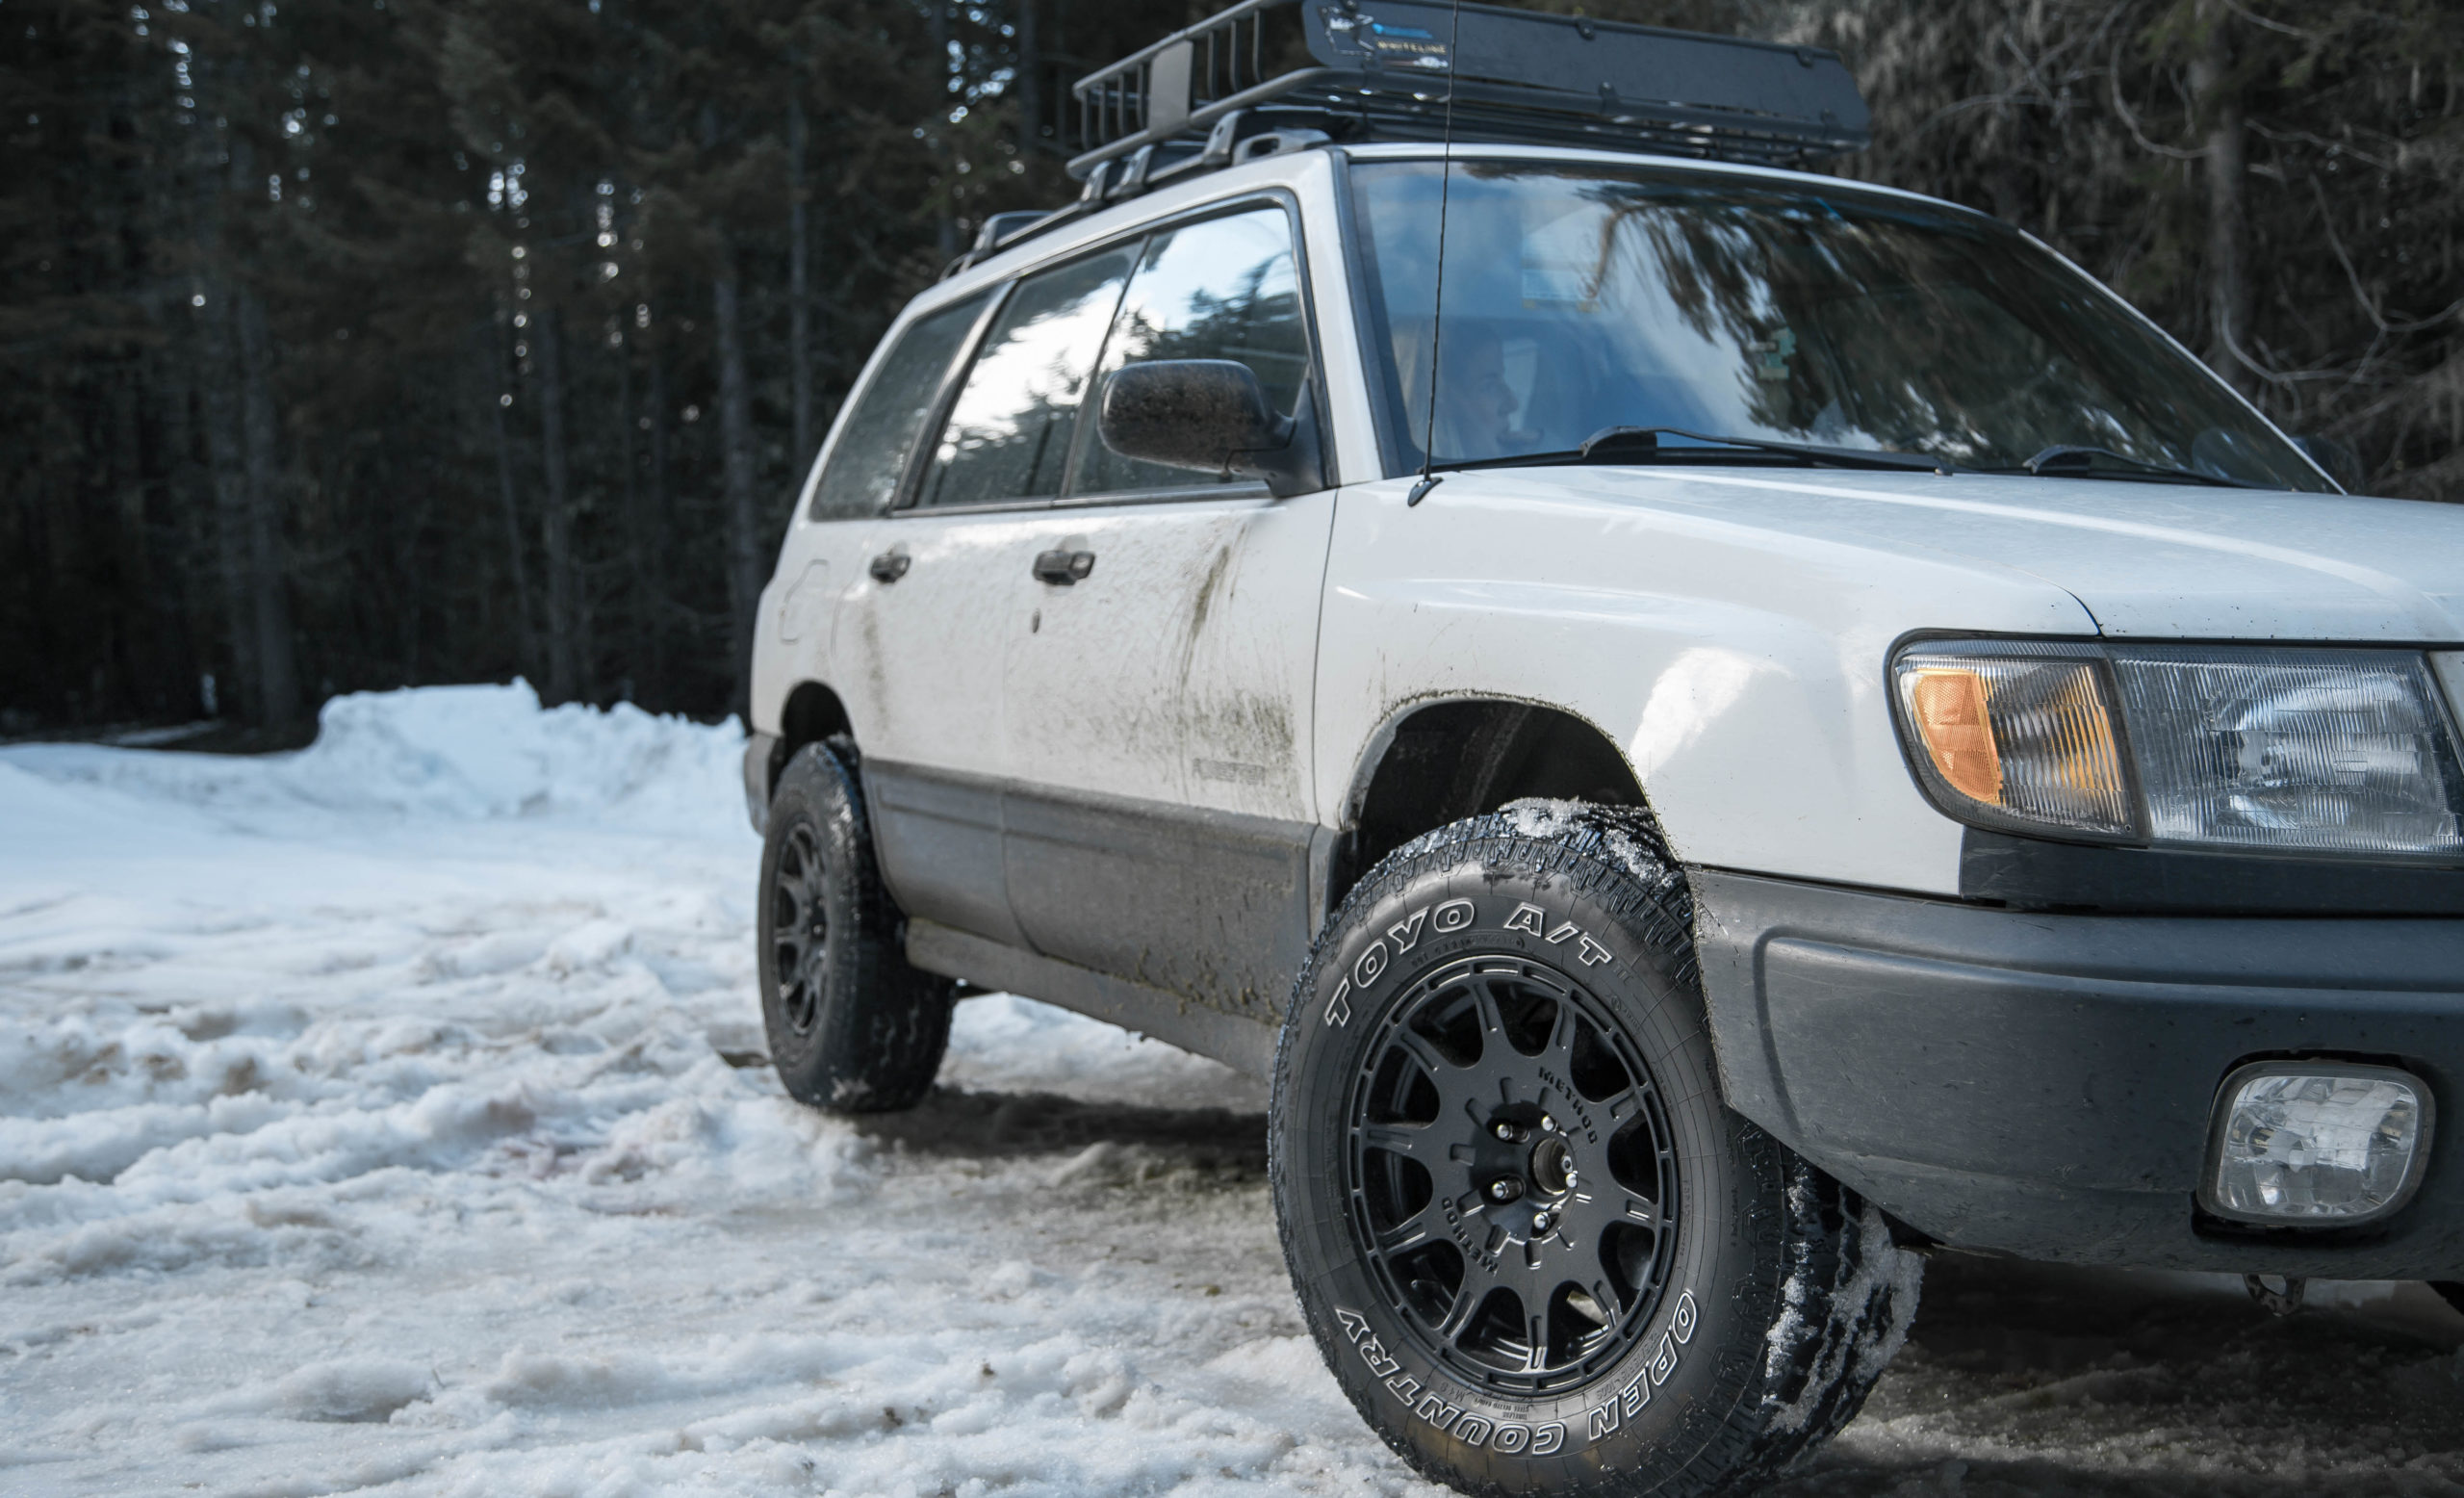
[(493, 751), (431, 753)]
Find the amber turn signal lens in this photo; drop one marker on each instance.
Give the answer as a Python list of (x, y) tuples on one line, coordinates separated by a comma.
[(2018, 736), (1948, 703)]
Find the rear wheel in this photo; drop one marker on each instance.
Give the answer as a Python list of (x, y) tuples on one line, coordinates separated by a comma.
[(852, 1027), (1537, 1251)]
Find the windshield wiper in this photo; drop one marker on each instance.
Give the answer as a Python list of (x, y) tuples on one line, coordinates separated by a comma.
[(2064, 460), (1642, 445)]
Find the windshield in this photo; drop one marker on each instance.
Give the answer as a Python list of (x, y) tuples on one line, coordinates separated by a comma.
[(1580, 296)]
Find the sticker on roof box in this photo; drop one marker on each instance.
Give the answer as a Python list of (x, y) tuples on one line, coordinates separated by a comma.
[(1394, 46)]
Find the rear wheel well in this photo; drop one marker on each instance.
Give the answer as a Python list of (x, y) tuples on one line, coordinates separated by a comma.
[(812, 713), (1453, 760)]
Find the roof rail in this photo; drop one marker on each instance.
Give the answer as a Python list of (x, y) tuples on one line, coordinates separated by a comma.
[(1375, 70)]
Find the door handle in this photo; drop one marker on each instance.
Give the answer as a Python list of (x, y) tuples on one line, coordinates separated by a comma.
[(1062, 568), (890, 565)]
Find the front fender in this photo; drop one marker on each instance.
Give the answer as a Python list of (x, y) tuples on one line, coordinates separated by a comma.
[(1741, 670)]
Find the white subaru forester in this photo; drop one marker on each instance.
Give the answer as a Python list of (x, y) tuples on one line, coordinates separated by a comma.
[(1823, 736)]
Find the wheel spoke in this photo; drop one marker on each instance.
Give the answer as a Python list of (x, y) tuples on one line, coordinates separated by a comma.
[(1535, 1328), (1596, 1210), (1484, 1003), (1624, 1106), (1477, 1284), (1432, 1061), (1604, 1295), (1561, 1035), (1412, 1141), (1412, 1231)]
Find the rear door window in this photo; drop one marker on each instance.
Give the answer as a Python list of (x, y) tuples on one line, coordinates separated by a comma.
[(1008, 434), (873, 443), (1218, 289)]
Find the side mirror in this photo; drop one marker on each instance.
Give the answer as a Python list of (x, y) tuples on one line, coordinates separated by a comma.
[(1210, 415), (2342, 463)]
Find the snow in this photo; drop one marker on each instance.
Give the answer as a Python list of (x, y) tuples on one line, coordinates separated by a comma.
[(388, 1117), (1866, 1317)]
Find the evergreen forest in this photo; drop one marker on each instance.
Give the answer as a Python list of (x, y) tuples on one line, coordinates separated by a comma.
[(357, 343)]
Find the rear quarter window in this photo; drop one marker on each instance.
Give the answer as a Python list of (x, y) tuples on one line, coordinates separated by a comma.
[(865, 465)]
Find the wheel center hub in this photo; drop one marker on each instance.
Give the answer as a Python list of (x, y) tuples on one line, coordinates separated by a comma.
[(1552, 1166), (1524, 1167)]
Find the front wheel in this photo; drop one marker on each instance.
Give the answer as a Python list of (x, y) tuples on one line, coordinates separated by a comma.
[(1538, 1252)]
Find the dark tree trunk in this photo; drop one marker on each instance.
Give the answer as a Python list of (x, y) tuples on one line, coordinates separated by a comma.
[(222, 444), (637, 532), (525, 639), (736, 459), (655, 597), (799, 280), (277, 683), (2218, 96), (555, 519), (1031, 104), (945, 227), (190, 489)]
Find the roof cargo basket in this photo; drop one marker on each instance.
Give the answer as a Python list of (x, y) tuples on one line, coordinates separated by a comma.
[(1378, 70)]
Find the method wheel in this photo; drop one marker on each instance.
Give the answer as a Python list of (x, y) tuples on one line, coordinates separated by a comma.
[(1538, 1252), (853, 1028)]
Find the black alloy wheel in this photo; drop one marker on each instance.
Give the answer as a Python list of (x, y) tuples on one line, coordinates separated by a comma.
[(800, 927), (1516, 1180)]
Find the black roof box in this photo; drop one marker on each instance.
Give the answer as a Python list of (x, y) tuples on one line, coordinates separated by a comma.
[(1379, 70)]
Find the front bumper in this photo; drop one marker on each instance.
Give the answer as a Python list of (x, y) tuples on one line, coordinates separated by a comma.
[(2041, 1084)]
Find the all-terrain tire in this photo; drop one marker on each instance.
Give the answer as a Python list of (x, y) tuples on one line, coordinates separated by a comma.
[(1511, 1003), (852, 1027)]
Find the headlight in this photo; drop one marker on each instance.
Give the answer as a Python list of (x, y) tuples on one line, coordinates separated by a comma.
[(2282, 750)]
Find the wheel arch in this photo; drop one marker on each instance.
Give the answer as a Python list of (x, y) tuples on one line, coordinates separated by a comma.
[(1437, 761), (812, 713)]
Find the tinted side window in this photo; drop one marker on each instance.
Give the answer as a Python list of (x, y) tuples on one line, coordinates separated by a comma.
[(1220, 289), (873, 445), (1008, 434)]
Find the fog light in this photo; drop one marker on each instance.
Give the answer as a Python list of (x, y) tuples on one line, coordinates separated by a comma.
[(2318, 1142)]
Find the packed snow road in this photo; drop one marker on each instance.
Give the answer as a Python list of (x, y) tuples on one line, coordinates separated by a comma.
[(389, 1117)]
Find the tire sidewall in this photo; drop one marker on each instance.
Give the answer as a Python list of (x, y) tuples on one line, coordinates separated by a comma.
[(1666, 1399), (816, 791)]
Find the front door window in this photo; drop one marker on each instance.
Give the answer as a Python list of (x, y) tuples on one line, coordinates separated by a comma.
[(1009, 435)]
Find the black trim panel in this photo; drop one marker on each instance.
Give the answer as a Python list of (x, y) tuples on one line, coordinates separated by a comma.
[(1210, 905), (760, 767), (938, 837), (2041, 1084), (1208, 908), (2032, 873), (1242, 1044)]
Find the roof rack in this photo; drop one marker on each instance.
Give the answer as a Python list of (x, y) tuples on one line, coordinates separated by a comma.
[(1376, 70), (1273, 75)]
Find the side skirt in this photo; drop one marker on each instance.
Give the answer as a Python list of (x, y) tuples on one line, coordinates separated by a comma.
[(1242, 1044)]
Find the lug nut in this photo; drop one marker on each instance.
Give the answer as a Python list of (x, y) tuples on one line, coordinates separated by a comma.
[(1574, 1177), (1540, 1222), (1548, 1125), (1505, 1130), (1503, 1190)]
